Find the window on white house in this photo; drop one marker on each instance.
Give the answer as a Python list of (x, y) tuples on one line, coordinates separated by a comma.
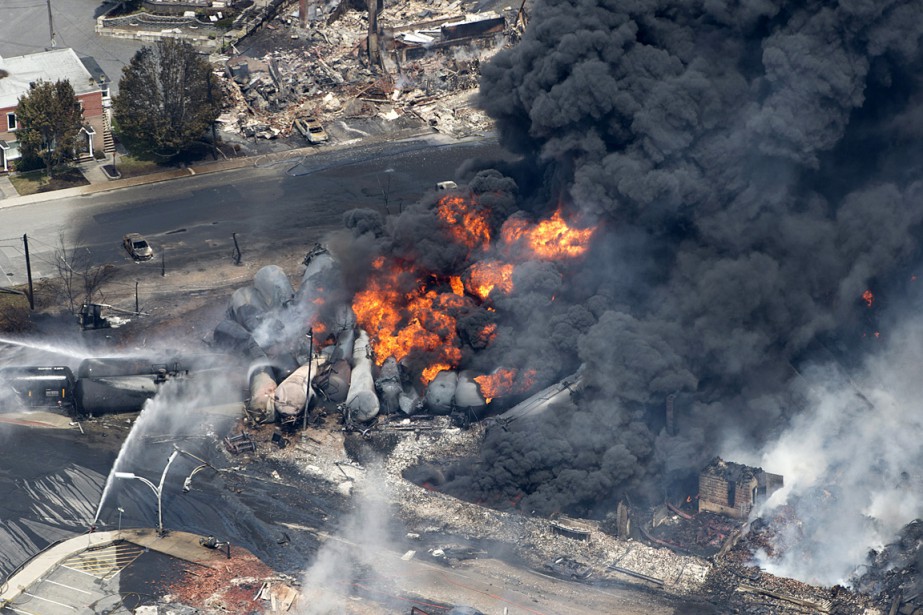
[(11, 121)]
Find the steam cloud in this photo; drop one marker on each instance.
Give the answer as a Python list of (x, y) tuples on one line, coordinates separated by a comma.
[(851, 462), (353, 555), (752, 169)]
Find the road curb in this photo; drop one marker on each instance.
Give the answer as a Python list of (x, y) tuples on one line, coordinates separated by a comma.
[(205, 168)]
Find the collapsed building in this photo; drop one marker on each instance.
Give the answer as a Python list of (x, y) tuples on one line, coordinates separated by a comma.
[(429, 64), (734, 489)]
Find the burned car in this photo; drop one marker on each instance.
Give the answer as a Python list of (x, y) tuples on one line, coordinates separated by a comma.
[(311, 129), (568, 568), (137, 247)]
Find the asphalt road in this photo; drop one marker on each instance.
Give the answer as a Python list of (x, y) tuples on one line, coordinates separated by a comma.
[(24, 29), (194, 218)]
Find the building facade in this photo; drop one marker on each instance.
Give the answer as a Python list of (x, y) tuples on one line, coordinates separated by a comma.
[(733, 489), (91, 86)]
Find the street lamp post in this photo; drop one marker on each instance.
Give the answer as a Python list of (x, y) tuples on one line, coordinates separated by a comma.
[(157, 489), (307, 383)]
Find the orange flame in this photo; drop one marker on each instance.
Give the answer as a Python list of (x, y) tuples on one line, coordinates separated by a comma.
[(869, 297), (466, 223), (505, 382), (457, 286), (485, 276), (549, 239), (319, 331), (400, 323), (487, 335)]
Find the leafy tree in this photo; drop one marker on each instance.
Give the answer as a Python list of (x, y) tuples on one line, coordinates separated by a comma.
[(168, 98), (50, 119)]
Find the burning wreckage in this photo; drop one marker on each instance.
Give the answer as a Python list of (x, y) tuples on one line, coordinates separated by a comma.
[(728, 204), (333, 363), (413, 337)]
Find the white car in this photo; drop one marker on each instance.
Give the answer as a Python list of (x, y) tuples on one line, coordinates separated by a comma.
[(138, 247)]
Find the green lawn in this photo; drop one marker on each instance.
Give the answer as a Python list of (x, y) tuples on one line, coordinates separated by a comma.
[(38, 181), (129, 166)]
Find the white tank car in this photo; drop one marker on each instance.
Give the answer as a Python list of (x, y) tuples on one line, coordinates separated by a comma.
[(289, 398), (247, 307), (468, 396), (274, 287), (361, 400)]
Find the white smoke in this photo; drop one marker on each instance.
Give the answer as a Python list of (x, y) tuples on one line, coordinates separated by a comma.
[(349, 555), (185, 411), (851, 462)]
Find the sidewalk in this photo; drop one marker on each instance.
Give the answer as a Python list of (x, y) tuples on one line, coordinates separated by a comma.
[(7, 191), (99, 182)]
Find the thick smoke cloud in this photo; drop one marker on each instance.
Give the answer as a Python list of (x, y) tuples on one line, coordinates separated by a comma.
[(753, 155), (752, 168)]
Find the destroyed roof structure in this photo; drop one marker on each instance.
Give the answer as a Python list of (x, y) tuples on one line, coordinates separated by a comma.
[(427, 75), (733, 489)]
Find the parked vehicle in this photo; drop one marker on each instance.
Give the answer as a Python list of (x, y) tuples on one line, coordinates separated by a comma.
[(138, 247), (311, 129), (446, 186)]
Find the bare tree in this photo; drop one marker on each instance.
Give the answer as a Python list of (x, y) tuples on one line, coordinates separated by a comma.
[(80, 281)]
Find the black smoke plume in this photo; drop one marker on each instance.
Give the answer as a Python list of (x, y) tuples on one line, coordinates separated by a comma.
[(753, 168)]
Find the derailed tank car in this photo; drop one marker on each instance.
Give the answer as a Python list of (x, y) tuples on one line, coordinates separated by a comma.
[(107, 385), (39, 386)]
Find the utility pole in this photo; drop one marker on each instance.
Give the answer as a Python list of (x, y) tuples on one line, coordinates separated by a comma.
[(51, 26), (236, 249), (136, 297), (25, 243)]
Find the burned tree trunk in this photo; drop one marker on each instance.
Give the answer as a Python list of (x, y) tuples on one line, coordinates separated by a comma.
[(374, 7)]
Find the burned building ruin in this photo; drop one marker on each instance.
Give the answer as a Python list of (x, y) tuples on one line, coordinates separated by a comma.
[(733, 489)]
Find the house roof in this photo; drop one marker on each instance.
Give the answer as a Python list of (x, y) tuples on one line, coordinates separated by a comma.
[(52, 66)]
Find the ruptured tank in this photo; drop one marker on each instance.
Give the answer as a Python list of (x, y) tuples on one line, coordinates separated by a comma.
[(440, 394), (388, 385), (262, 389), (468, 397)]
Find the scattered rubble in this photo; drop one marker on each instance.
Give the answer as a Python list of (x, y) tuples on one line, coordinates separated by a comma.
[(427, 77), (238, 585)]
